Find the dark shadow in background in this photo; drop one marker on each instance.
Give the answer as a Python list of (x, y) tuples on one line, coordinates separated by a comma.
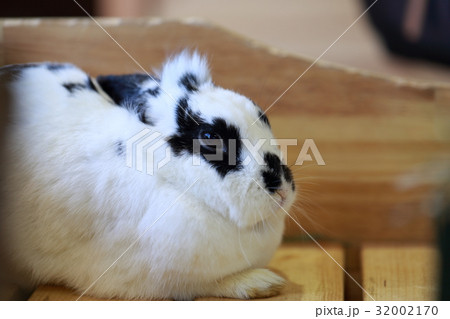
[(433, 42), (44, 8), (444, 243)]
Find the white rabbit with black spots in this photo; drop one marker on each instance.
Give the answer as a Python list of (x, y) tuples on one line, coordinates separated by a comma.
[(197, 226)]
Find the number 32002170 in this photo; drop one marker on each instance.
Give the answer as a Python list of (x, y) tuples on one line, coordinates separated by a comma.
[(406, 310)]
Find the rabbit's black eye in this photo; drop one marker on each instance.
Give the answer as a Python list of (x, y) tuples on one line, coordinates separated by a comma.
[(211, 141), (208, 135)]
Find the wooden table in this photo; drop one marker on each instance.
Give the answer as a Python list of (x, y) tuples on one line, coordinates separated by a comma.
[(400, 272), (389, 273)]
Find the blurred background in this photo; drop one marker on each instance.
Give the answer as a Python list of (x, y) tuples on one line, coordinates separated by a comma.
[(302, 27)]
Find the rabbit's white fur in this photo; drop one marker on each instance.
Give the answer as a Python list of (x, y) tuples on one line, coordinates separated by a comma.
[(76, 210)]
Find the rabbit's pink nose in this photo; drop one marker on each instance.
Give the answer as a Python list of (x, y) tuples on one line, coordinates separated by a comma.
[(283, 195)]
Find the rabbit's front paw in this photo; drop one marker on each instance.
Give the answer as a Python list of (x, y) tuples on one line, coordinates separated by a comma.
[(252, 283)]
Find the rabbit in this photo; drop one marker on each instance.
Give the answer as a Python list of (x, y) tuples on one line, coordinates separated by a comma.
[(78, 211)]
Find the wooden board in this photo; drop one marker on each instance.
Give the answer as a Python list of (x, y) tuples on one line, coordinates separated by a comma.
[(400, 273), (385, 142), (388, 273), (311, 275)]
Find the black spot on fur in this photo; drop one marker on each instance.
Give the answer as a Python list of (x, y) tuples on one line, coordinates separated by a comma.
[(72, 87), (287, 173), (22, 66), (232, 147), (126, 91), (122, 87), (187, 120), (190, 125), (141, 110), (153, 92), (190, 82), (58, 66), (273, 162), (272, 176), (119, 148), (15, 70), (261, 115), (263, 118)]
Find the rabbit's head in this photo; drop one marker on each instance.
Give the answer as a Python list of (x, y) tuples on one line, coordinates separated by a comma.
[(214, 135)]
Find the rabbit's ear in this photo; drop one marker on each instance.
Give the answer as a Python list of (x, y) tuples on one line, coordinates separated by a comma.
[(185, 71)]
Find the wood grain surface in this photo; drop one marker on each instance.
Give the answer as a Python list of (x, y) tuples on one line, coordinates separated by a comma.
[(310, 274), (407, 272), (385, 142), (400, 272)]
